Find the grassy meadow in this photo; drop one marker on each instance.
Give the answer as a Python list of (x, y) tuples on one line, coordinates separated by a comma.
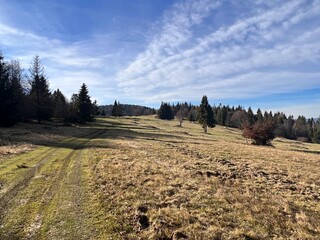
[(144, 178)]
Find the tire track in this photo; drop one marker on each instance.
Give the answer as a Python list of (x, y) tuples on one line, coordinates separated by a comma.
[(6, 199), (73, 193)]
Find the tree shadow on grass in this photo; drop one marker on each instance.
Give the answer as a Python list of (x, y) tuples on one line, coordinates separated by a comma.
[(81, 136)]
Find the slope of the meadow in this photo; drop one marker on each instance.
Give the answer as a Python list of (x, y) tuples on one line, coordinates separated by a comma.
[(143, 178)]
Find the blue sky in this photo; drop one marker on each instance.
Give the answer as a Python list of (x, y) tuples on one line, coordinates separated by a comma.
[(253, 53)]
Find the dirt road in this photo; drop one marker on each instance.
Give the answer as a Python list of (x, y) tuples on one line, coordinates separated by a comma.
[(43, 194)]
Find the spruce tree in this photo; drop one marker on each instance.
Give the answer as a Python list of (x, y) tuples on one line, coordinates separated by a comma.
[(116, 109), (40, 96), (73, 110), (259, 116), (59, 104), (206, 118), (251, 116), (84, 105), (165, 112), (5, 95), (11, 92)]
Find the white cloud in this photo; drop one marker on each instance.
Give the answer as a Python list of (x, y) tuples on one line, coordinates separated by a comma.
[(67, 65), (225, 63), (261, 49)]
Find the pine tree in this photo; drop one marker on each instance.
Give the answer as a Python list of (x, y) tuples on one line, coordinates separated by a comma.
[(59, 104), (206, 118), (117, 109), (73, 110), (11, 92), (259, 116), (251, 116), (165, 112), (5, 95), (316, 132), (114, 109), (84, 105), (39, 94)]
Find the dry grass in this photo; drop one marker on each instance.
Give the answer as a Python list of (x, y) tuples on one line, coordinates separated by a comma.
[(144, 178), (26, 137), (161, 181)]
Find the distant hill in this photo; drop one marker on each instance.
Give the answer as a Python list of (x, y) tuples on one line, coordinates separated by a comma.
[(128, 110)]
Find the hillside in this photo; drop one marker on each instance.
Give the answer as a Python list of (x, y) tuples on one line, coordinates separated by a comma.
[(144, 178)]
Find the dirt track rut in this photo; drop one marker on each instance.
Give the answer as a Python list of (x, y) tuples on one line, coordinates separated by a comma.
[(31, 208)]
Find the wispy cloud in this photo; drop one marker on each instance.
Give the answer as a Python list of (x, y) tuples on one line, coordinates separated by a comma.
[(238, 61), (67, 65), (229, 50)]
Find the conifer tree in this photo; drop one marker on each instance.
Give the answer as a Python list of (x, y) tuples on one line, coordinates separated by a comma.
[(73, 110), (5, 94), (117, 109), (39, 93), (84, 104), (259, 116), (59, 104), (165, 112), (206, 118), (114, 109), (316, 132), (11, 92), (250, 116)]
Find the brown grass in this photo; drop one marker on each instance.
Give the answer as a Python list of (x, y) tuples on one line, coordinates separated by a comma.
[(144, 178), (207, 186)]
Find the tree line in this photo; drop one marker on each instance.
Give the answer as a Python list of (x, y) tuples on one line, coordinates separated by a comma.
[(27, 97), (259, 126), (118, 109)]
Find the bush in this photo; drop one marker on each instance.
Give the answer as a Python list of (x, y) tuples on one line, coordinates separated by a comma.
[(261, 133)]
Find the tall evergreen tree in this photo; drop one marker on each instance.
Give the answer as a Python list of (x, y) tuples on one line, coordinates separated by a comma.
[(259, 116), (59, 104), (165, 112), (17, 83), (73, 110), (116, 109), (85, 106), (10, 93), (250, 116), (5, 95), (40, 95), (206, 117), (316, 132), (288, 124)]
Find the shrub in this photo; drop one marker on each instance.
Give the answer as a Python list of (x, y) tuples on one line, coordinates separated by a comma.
[(261, 133)]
